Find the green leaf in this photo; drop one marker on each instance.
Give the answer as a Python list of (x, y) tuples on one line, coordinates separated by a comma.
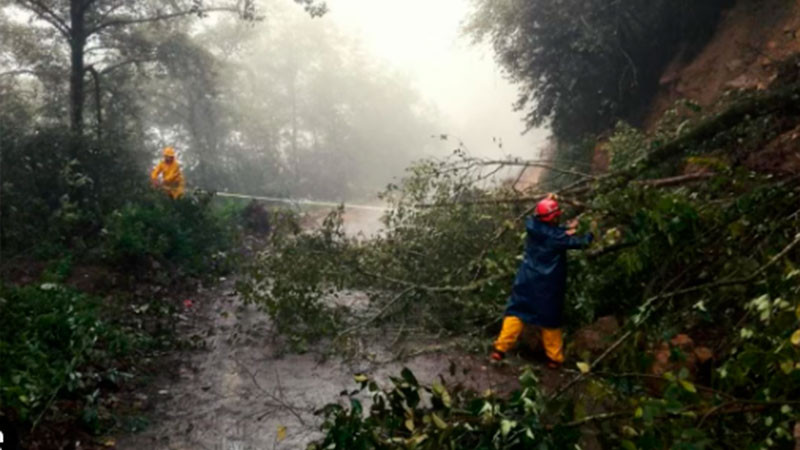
[(441, 424), (796, 338), (688, 386), (355, 405), (506, 426), (409, 377), (361, 378)]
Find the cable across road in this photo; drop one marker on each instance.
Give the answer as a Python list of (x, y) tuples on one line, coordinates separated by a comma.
[(291, 201)]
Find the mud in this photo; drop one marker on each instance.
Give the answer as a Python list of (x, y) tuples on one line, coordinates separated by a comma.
[(237, 391)]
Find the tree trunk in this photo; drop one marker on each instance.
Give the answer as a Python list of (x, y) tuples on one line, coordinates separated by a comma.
[(77, 69), (98, 101)]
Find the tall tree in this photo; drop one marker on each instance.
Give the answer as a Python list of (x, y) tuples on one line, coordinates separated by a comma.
[(307, 112), (583, 64), (81, 22)]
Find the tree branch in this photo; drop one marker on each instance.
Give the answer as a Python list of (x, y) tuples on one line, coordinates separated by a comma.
[(13, 73), (474, 286), (98, 104), (45, 13), (379, 314), (677, 180), (499, 201), (522, 163), (661, 297), (126, 62), (658, 183), (133, 21)]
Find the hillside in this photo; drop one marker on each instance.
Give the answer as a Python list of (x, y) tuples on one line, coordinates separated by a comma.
[(752, 43), (752, 38)]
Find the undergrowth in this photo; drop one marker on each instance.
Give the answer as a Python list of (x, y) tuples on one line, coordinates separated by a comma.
[(56, 348), (692, 241)]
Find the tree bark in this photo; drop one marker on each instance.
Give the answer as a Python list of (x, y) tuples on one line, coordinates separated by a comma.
[(77, 44), (98, 101)]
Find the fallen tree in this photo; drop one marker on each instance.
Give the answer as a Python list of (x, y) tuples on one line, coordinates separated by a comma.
[(709, 254)]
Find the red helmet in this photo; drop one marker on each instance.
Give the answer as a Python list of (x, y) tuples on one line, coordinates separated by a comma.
[(547, 210)]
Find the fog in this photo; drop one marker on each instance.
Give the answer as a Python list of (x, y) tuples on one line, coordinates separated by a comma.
[(423, 39), (331, 108)]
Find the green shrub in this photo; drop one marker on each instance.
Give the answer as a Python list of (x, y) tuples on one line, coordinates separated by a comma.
[(295, 299), (712, 254), (55, 188), (53, 344), (410, 415), (184, 232)]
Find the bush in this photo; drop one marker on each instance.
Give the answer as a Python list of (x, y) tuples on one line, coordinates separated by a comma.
[(709, 254), (55, 189), (296, 299), (53, 344), (185, 232), (410, 415)]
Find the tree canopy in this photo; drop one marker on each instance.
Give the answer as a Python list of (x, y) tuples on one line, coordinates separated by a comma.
[(583, 64)]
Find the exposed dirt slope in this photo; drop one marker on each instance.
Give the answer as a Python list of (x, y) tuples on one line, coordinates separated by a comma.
[(752, 37)]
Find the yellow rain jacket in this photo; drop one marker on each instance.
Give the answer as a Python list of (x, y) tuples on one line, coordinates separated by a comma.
[(171, 177)]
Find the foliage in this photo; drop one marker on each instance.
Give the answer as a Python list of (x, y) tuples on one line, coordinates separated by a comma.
[(185, 232), (695, 242), (625, 146), (424, 252), (310, 119), (411, 415), (585, 64), (59, 197), (55, 188), (54, 345), (295, 299)]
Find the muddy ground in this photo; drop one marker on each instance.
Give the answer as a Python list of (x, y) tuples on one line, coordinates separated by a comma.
[(240, 387)]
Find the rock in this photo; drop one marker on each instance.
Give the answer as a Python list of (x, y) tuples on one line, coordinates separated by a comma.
[(595, 338), (703, 354), (741, 82), (734, 65), (691, 357), (682, 341), (796, 434)]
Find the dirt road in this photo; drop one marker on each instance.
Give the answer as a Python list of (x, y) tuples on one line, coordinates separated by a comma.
[(237, 392)]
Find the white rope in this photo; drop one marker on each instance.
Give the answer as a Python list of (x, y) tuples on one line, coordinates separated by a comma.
[(301, 202)]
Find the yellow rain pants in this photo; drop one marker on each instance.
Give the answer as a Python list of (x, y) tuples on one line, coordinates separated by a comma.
[(512, 328), (171, 178)]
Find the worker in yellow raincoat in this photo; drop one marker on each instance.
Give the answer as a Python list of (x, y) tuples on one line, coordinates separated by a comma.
[(171, 178)]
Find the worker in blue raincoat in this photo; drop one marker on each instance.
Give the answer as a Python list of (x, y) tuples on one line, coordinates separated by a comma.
[(537, 296)]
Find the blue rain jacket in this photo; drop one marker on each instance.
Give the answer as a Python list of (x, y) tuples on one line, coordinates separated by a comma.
[(537, 296)]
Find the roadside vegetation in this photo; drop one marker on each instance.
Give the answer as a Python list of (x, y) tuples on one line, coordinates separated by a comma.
[(697, 239), (693, 241)]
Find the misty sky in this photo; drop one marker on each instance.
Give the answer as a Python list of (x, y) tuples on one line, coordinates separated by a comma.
[(422, 38)]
